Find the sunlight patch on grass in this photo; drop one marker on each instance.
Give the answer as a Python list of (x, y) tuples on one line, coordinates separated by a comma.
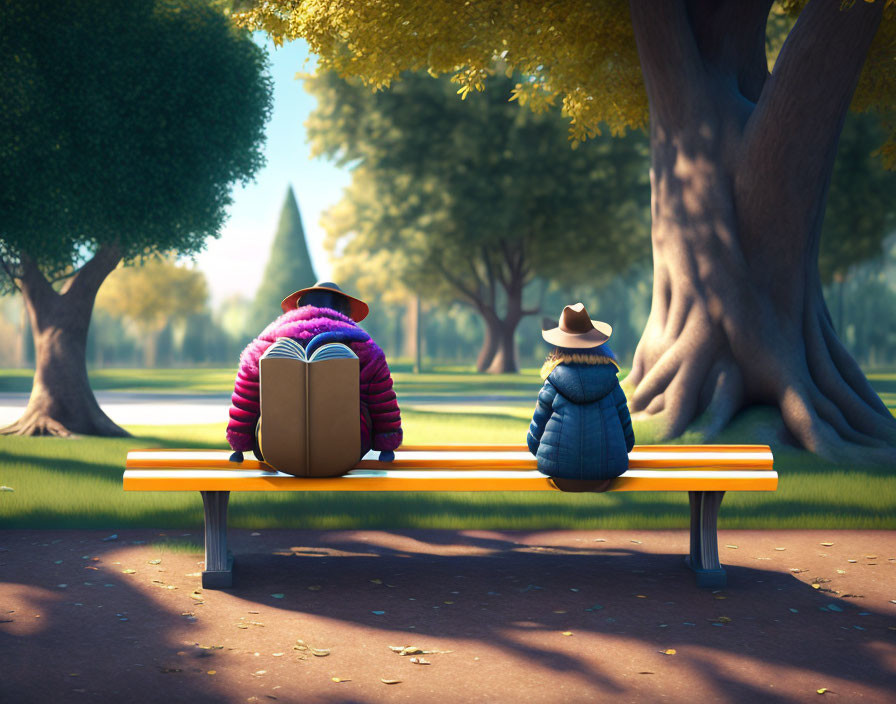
[(76, 483)]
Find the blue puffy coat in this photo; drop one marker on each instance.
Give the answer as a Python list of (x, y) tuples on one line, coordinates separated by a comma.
[(581, 428)]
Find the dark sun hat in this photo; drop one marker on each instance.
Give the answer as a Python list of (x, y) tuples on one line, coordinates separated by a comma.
[(576, 329), (358, 308)]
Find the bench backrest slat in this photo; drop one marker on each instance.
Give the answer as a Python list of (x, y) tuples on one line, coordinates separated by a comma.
[(456, 468), (511, 457)]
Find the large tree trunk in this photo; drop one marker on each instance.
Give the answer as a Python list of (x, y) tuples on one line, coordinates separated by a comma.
[(498, 353), (505, 361), (62, 402), (741, 163)]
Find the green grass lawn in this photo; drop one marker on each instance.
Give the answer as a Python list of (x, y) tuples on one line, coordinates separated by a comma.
[(76, 483)]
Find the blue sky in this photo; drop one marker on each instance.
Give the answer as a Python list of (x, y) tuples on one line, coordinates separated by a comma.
[(234, 263)]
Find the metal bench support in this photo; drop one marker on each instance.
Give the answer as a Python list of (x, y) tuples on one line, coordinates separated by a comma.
[(704, 557), (218, 572)]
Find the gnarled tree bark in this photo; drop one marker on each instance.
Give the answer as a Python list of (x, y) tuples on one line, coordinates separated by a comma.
[(62, 402), (741, 161)]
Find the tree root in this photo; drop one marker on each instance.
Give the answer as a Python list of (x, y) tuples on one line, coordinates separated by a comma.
[(34, 424), (41, 424), (699, 381)]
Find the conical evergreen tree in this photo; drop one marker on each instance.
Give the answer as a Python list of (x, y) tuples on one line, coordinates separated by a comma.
[(289, 266)]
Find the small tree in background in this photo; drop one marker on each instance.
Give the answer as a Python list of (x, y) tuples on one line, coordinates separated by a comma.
[(123, 126), (151, 295), (289, 266)]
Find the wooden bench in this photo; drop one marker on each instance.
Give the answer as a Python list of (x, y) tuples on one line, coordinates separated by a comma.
[(706, 472)]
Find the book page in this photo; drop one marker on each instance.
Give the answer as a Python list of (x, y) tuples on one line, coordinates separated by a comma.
[(332, 350), (285, 347)]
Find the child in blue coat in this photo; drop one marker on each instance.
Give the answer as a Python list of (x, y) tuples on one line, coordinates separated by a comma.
[(581, 432)]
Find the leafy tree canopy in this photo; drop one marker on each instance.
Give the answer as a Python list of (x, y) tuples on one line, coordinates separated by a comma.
[(456, 198), (122, 123), (582, 55), (153, 293), (861, 205)]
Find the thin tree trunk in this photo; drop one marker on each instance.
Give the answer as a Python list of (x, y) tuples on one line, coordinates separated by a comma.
[(23, 337), (62, 401), (418, 336), (741, 163), (489, 342)]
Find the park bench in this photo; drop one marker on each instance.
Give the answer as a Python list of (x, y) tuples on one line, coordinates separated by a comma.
[(706, 472)]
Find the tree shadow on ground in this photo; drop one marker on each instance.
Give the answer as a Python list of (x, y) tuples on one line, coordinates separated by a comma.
[(508, 587), (511, 593)]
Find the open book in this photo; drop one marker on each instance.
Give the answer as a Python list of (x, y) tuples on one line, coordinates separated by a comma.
[(310, 409)]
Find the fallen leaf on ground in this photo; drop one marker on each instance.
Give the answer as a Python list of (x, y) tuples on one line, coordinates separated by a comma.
[(669, 651), (646, 672), (376, 581), (566, 633), (733, 547), (385, 681), (154, 562), (339, 679), (129, 571), (277, 655), (827, 545), (319, 652), (420, 661), (212, 672), (636, 541), (822, 690), (780, 549)]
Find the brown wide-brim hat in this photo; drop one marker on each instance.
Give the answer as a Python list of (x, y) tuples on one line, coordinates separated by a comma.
[(359, 309), (576, 329)]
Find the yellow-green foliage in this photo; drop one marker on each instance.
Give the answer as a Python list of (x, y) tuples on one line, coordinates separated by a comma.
[(153, 292), (582, 54)]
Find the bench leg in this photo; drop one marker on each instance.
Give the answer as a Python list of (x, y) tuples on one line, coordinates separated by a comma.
[(704, 557), (218, 573)]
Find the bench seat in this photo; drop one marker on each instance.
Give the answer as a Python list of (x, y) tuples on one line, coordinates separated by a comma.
[(706, 472)]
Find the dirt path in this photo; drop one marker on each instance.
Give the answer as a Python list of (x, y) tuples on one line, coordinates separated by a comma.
[(571, 616)]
